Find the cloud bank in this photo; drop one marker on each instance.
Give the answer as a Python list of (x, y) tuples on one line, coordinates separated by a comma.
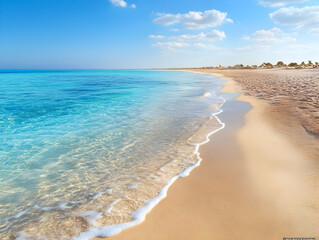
[(214, 35), (266, 39), (306, 17), (121, 3), (193, 20), (182, 41)]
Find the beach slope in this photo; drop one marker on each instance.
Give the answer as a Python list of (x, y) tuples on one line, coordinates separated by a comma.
[(255, 182)]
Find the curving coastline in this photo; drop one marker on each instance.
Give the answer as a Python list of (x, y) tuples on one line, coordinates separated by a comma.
[(103, 206), (140, 214), (254, 182)]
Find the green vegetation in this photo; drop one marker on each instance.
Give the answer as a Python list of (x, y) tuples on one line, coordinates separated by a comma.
[(238, 66), (293, 64), (279, 64), (269, 65)]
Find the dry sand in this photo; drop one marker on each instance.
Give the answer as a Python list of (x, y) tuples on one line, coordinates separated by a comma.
[(253, 183), (293, 96), (296, 91)]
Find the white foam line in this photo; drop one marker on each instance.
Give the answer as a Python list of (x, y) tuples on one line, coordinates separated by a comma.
[(97, 196), (92, 216), (112, 205), (140, 214)]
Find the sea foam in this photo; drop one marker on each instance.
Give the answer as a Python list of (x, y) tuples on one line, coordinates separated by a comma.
[(139, 215), (88, 158)]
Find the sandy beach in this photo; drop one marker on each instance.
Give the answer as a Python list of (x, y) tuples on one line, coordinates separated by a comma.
[(159, 120), (259, 176), (292, 97)]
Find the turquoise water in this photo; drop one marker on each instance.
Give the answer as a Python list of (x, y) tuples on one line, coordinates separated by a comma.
[(85, 149)]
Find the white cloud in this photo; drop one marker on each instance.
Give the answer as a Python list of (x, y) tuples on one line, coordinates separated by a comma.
[(194, 20), (156, 36), (266, 39), (121, 3), (306, 17), (211, 36), (170, 46), (273, 40), (174, 29), (279, 3), (271, 37), (177, 43), (267, 33), (167, 19), (206, 46), (246, 38)]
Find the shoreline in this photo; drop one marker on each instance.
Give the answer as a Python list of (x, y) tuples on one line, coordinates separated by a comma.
[(146, 229), (152, 202), (147, 208), (139, 215)]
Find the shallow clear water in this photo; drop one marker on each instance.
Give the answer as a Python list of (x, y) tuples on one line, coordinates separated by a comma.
[(85, 149)]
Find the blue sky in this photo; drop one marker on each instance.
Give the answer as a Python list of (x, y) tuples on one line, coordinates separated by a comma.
[(108, 34)]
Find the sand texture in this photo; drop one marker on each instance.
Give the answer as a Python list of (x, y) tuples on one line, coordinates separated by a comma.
[(253, 183), (259, 178), (294, 92)]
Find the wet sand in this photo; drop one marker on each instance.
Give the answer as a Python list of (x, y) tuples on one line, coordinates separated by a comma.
[(253, 183)]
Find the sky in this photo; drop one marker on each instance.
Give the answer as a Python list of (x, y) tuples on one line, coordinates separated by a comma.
[(129, 34)]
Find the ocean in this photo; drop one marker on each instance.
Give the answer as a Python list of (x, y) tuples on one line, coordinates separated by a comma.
[(90, 152)]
